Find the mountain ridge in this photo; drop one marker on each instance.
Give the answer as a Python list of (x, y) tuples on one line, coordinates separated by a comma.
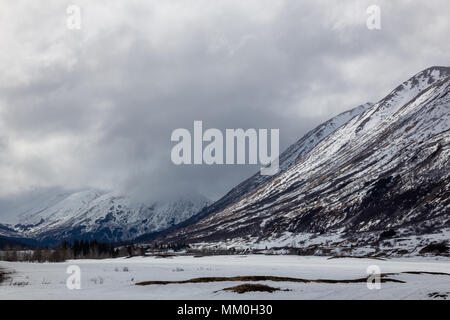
[(351, 168), (287, 159)]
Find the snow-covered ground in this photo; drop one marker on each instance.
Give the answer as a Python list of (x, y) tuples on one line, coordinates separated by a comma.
[(116, 278)]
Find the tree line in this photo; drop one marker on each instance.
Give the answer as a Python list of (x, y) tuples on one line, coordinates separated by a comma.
[(83, 249)]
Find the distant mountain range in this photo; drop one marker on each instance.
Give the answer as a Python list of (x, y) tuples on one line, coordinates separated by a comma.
[(376, 172), (93, 214)]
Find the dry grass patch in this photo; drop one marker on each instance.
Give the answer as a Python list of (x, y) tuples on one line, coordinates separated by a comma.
[(384, 278), (355, 257), (251, 287), (437, 295)]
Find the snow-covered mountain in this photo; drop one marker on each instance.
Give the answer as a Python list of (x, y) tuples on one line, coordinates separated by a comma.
[(91, 213), (286, 160), (386, 168)]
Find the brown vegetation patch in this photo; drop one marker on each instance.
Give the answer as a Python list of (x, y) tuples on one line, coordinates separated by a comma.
[(427, 272), (355, 257), (384, 278), (443, 295), (445, 196), (251, 287), (164, 256), (411, 126), (5, 274)]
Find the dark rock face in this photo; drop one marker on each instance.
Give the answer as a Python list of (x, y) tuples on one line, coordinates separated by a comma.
[(435, 248)]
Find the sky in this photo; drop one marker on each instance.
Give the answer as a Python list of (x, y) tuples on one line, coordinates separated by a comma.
[(95, 107)]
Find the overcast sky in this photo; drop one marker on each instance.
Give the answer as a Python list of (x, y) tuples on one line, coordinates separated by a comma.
[(96, 107)]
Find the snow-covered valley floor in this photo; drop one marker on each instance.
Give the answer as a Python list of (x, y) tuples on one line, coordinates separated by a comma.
[(117, 278)]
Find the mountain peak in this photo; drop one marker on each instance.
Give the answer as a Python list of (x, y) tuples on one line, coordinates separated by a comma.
[(429, 76), (443, 70), (401, 95), (423, 79)]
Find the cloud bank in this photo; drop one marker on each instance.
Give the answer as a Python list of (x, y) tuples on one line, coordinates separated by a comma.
[(95, 107)]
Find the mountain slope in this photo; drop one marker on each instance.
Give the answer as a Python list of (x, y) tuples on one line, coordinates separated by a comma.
[(385, 168), (290, 156), (287, 159), (105, 216)]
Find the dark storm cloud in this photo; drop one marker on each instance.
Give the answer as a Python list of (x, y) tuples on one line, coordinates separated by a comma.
[(96, 107)]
